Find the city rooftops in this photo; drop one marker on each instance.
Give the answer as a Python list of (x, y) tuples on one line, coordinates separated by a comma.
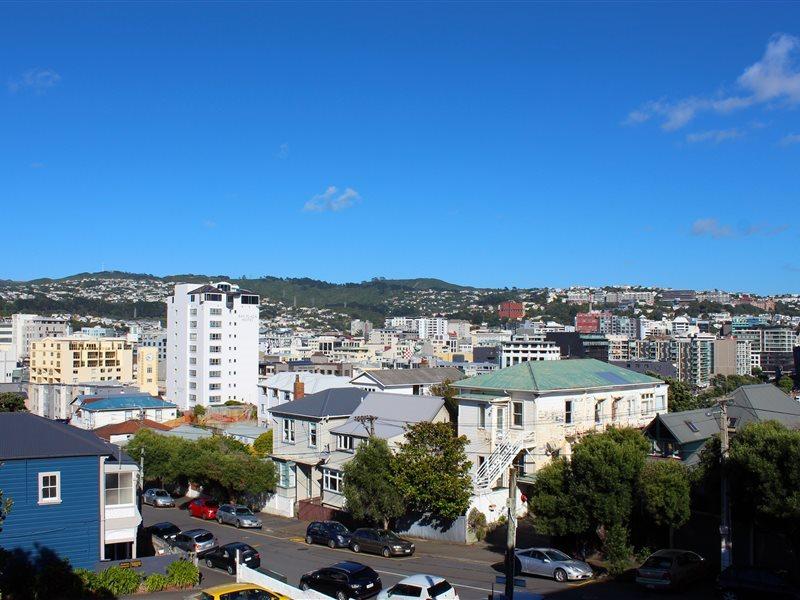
[(388, 378), (333, 402), (554, 375)]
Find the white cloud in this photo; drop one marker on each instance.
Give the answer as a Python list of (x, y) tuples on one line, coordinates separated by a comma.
[(34, 80), (37, 165), (714, 135), (332, 199), (712, 228), (283, 151), (209, 224), (773, 79), (790, 140)]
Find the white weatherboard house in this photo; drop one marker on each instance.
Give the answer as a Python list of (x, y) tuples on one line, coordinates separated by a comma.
[(283, 387), (92, 411), (416, 382), (530, 412)]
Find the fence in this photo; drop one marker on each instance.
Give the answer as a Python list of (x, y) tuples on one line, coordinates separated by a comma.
[(245, 574)]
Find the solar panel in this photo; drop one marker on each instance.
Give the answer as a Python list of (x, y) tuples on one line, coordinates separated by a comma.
[(611, 377)]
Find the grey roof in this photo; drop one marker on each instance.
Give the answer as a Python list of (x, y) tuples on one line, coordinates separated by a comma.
[(682, 425), (23, 435), (245, 429), (394, 412), (333, 402), (764, 402), (187, 432), (420, 376)]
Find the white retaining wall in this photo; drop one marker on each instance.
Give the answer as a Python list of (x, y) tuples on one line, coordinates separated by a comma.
[(245, 574)]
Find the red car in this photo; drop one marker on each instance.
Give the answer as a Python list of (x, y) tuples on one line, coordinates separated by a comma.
[(204, 508)]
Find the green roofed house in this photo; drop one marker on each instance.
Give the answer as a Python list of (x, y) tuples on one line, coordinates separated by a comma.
[(530, 412)]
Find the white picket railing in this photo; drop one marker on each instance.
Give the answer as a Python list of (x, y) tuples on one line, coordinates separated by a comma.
[(507, 448)]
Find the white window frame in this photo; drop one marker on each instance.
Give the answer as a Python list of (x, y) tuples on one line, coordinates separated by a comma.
[(287, 431), (119, 489), (313, 441), (328, 477), (55, 499), (345, 443), (514, 405)]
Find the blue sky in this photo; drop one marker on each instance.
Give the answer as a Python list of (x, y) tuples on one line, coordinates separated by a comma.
[(486, 144)]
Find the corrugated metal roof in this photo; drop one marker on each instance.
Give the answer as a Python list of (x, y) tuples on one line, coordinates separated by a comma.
[(121, 402), (23, 435), (547, 375), (764, 402), (393, 412), (420, 376)]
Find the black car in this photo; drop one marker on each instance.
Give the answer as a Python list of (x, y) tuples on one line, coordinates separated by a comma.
[(380, 541), (332, 533), (224, 557), (164, 530), (740, 583), (343, 580)]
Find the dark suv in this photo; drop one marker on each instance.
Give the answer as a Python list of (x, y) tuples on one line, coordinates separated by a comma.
[(343, 580), (331, 533)]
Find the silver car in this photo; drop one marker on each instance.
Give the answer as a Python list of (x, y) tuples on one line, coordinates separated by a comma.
[(196, 540), (553, 563), (240, 516), (158, 498)]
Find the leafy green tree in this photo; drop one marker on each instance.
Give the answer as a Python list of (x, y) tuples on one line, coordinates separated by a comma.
[(553, 507), (664, 490), (162, 454), (199, 411), (432, 470), (11, 402), (262, 447), (605, 468), (786, 384), (369, 483), (681, 396), (448, 392)]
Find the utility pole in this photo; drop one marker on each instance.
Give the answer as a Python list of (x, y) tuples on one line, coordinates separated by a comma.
[(725, 520), (511, 538), (141, 469), (363, 419)]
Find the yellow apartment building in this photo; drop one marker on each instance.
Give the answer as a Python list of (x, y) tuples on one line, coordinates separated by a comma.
[(76, 359), (147, 369)]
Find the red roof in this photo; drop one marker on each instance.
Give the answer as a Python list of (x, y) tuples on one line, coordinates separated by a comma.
[(128, 427)]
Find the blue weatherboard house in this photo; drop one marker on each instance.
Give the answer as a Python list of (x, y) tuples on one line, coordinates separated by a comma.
[(73, 493)]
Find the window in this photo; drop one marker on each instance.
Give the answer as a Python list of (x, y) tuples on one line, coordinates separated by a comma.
[(192, 337), (215, 324), (215, 312), (193, 312), (128, 415), (215, 349), (50, 487), (192, 372), (192, 348), (517, 415), (215, 336), (332, 481), (692, 427), (215, 386), (344, 442), (213, 399), (192, 360), (159, 414), (249, 299), (193, 324), (501, 418), (598, 412), (119, 488), (214, 361), (286, 475), (482, 416), (192, 385), (288, 430), (213, 297), (312, 435), (215, 373)]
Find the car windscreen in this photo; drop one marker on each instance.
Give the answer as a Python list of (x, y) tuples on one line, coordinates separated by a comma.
[(161, 493), (171, 530), (439, 589), (212, 503), (337, 528), (244, 511), (556, 555), (657, 562), (363, 574), (389, 536), (203, 537)]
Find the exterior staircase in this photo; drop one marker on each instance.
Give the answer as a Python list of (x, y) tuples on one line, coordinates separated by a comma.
[(498, 462)]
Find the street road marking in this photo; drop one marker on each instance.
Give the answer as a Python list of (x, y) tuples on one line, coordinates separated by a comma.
[(298, 540)]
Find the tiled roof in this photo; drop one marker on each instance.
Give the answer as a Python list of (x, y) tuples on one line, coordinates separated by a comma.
[(128, 427), (547, 375)]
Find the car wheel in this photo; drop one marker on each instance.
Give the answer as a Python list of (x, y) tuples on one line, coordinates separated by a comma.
[(355, 548), (341, 596), (209, 564), (238, 524), (331, 544), (309, 540), (230, 570), (386, 553), (560, 575), (304, 586), (729, 595), (219, 520)]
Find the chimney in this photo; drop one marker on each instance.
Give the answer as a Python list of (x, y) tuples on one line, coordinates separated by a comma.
[(299, 388)]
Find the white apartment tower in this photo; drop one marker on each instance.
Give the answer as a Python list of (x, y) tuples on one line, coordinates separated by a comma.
[(212, 345)]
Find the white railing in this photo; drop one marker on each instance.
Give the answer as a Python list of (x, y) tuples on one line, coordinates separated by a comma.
[(245, 574), (507, 448)]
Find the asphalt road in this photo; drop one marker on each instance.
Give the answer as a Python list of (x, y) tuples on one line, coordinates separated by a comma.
[(291, 557)]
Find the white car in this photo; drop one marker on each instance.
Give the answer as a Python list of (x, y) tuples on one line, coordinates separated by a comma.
[(420, 586)]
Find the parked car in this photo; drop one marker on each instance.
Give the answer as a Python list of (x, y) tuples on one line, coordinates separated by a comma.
[(240, 516), (553, 563), (158, 498), (164, 530), (670, 569), (239, 591), (741, 583), (380, 541), (224, 557), (196, 540), (430, 587), (343, 580), (331, 533), (204, 508)]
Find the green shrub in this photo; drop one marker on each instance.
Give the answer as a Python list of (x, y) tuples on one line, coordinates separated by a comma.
[(476, 521), (616, 549), (183, 574), (88, 578), (643, 554), (155, 583), (117, 581)]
